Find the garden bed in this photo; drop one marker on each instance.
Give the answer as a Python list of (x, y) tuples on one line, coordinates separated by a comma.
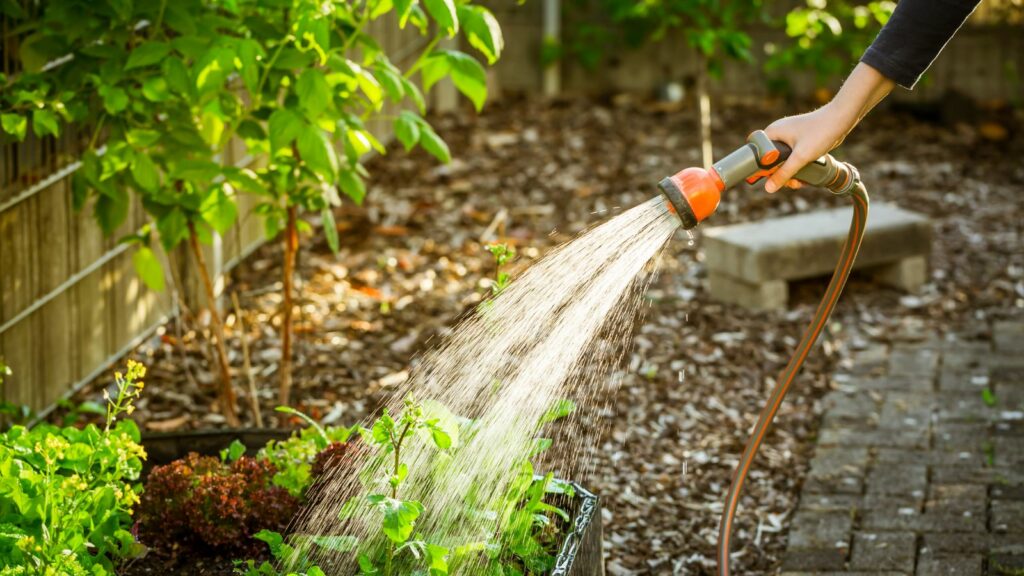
[(413, 260), (579, 554)]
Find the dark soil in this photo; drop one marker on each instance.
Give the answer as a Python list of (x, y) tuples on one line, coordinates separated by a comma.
[(535, 175)]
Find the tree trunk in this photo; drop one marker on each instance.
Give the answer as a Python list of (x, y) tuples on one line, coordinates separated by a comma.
[(707, 154), (291, 248), (227, 391)]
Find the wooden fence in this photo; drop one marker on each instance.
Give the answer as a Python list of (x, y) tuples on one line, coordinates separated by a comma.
[(70, 301), (985, 60)]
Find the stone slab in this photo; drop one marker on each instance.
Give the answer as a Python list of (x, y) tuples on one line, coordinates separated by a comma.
[(809, 244)]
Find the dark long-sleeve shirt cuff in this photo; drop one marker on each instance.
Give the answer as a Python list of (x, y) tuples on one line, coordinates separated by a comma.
[(915, 34)]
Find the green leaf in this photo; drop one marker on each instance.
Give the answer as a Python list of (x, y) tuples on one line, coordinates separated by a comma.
[(285, 126), (145, 173), (111, 209), (173, 228), (433, 143), (147, 53), (233, 452), (318, 153), (142, 137), (343, 544), (482, 30), (352, 186), (115, 99), (148, 267), (403, 8), (219, 210), (155, 89), (407, 129), (469, 77), (15, 124), (441, 438), (444, 13), (399, 516), (176, 75), (330, 228), (44, 123), (313, 91), (417, 97), (369, 85), (436, 67)]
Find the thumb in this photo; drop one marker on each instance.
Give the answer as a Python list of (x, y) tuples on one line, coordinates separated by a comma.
[(789, 168)]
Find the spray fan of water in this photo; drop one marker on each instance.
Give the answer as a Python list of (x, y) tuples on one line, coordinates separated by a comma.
[(557, 332)]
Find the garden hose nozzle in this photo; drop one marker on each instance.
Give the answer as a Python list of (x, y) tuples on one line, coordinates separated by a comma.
[(694, 193)]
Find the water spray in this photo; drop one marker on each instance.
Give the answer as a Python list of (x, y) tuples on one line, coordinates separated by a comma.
[(694, 194)]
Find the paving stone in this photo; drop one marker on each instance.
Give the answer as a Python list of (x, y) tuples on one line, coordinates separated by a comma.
[(1008, 336), (1002, 492), (913, 361), (838, 470), (1009, 361), (950, 565), (1006, 564), (972, 543), (884, 551), (820, 502), (967, 458), (898, 520), (898, 479), (844, 573), (896, 504), (963, 407), (906, 410), (817, 530), (862, 436), (984, 475), (967, 356), (961, 436), (958, 499), (892, 382), (1008, 516), (964, 380), (814, 559), (856, 405), (1008, 451)]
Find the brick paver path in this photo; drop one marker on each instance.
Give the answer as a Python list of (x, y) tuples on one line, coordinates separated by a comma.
[(919, 467)]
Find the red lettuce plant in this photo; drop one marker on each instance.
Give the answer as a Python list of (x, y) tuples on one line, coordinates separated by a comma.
[(206, 501)]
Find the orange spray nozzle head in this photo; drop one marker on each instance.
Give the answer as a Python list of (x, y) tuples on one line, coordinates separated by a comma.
[(693, 194)]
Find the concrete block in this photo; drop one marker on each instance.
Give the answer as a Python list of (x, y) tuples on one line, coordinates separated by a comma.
[(896, 248), (808, 245), (908, 274), (767, 295), (884, 551)]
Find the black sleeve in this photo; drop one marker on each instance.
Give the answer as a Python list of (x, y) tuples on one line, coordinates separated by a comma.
[(915, 34)]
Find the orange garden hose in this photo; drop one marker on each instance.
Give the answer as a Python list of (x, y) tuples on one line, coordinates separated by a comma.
[(693, 195), (835, 287)]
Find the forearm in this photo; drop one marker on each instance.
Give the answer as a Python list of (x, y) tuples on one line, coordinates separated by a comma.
[(863, 89)]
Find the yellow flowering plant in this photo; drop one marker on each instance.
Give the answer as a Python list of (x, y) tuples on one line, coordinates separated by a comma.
[(66, 494)]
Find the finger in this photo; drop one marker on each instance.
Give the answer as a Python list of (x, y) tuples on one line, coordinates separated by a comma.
[(784, 174)]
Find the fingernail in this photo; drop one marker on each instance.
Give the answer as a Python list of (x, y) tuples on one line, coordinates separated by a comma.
[(770, 187)]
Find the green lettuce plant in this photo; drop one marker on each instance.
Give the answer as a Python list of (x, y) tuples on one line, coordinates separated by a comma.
[(66, 494)]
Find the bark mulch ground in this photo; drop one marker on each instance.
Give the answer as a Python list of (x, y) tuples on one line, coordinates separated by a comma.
[(536, 174)]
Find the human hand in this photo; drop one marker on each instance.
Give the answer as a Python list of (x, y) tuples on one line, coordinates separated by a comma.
[(811, 136), (815, 134)]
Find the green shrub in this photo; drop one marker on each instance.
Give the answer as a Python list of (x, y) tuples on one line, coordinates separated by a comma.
[(826, 37), (66, 494)]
